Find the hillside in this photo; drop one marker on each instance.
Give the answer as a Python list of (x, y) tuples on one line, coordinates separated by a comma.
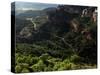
[(54, 39)]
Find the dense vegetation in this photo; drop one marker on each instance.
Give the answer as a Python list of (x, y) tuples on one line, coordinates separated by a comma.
[(58, 45)]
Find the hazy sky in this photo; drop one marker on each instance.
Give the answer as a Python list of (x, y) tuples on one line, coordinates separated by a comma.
[(32, 6)]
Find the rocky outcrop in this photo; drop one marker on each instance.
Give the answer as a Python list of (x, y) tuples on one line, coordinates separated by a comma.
[(90, 12)]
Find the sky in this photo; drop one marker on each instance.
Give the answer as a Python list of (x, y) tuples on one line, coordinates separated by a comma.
[(32, 5)]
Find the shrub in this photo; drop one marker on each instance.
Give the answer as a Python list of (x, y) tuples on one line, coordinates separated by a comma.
[(75, 58), (56, 66), (20, 60), (34, 60), (24, 65), (39, 66), (18, 69), (25, 70), (45, 56)]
